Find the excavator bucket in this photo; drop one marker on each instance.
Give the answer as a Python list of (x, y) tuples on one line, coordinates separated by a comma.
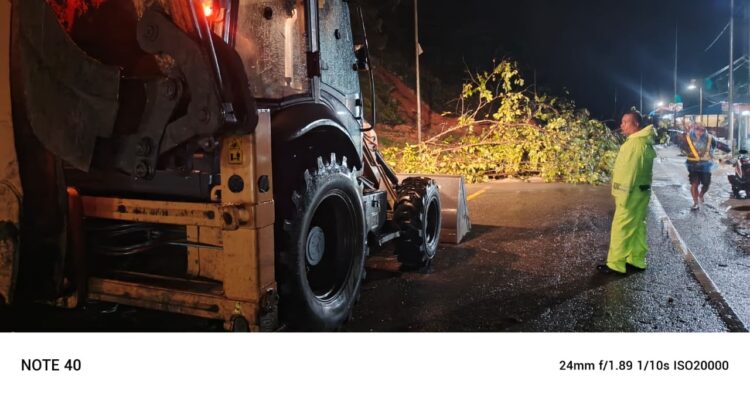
[(454, 210), (10, 183), (70, 98)]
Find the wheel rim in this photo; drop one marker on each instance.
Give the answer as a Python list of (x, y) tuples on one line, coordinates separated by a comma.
[(316, 242), (330, 246)]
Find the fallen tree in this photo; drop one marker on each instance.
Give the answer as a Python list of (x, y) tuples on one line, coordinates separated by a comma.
[(504, 130)]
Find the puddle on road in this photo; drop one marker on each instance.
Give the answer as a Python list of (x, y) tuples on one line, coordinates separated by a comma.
[(739, 212)]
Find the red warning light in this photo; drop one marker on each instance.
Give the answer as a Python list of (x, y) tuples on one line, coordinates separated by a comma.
[(208, 8)]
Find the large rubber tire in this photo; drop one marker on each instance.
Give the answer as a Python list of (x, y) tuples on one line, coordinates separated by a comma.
[(320, 261), (417, 215)]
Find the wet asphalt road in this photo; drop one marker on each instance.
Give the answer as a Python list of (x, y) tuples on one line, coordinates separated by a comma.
[(527, 266), (718, 235)]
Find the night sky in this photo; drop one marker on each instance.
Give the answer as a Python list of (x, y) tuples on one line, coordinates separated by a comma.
[(590, 47)]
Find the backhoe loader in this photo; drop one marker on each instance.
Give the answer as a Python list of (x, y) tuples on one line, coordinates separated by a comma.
[(202, 157)]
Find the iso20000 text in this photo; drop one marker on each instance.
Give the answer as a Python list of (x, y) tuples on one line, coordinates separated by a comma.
[(645, 365)]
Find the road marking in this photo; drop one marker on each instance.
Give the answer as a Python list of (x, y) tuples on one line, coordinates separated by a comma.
[(475, 194)]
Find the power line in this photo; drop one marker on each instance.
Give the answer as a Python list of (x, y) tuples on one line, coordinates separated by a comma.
[(717, 37)]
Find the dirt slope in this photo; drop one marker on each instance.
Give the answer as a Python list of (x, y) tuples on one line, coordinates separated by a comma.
[(406, 97)]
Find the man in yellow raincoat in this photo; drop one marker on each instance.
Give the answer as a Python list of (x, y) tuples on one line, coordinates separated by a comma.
[(631, 188)]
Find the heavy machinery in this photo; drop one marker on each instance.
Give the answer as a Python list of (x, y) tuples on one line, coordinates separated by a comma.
[(200, 157)]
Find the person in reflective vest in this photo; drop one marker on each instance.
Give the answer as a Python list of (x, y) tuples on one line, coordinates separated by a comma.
[(699, 146), (631, 189)]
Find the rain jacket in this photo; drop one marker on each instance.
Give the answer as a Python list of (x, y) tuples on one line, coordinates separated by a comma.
[(631, 188)]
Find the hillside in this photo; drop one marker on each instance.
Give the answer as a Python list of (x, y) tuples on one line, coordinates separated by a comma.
[(397, 110)]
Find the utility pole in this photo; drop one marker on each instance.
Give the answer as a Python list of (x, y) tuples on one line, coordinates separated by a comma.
[(615, 112), (743, 137), (641, 106), (675, 64), (417, 51), (674, 97), (731, 78)]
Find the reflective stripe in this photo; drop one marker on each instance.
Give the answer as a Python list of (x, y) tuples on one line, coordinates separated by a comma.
[(692, 148), (694, 152)]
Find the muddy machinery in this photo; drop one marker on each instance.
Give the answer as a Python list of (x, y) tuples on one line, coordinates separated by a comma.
[(199, 157)]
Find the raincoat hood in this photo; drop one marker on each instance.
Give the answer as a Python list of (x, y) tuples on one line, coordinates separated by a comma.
[(648, 133)]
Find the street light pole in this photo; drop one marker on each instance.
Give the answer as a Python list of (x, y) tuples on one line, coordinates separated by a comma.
[(416, 51), (693, 85), (731, 79)]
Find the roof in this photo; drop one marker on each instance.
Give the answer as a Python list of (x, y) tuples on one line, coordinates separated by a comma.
[(712, 109)]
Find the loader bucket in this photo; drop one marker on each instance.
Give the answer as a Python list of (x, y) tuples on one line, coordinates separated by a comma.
[(70, 98), (454, 210), (10, 183)]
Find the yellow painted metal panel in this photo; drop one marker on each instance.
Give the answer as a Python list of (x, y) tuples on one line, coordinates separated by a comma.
[(187, 302), (178, 213), (241, 264), (211, 260), (193, 261)]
